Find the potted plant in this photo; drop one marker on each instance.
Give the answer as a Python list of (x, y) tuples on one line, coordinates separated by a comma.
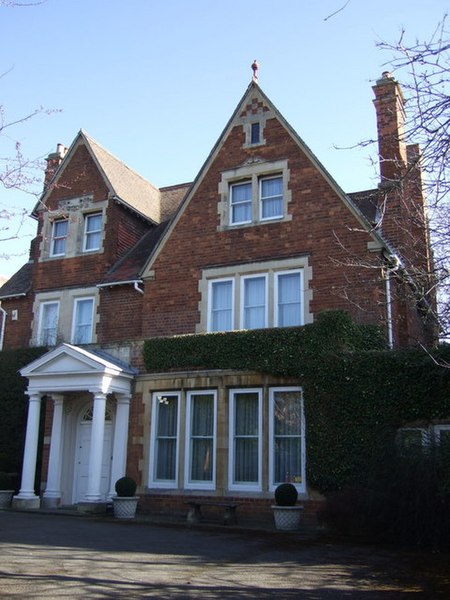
[(125, 502), (6, 491), (286, 511)]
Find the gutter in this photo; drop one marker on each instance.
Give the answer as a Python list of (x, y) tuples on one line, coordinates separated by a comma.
[(134, 282)]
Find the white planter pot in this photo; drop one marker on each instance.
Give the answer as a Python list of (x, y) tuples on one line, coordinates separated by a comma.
[(6, 498), (287, 518), (125, 506)]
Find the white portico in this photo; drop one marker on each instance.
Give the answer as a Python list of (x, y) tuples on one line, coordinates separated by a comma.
[(91, 393)]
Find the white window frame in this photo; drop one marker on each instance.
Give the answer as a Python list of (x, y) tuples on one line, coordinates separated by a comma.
[(211, 284), (437, 430), (247, 202), (245, 278), (241, 486), (87, 233), (55, 238), (157, 398), (260, 198), (188, 482), (41, 340), (77, 301), (276, 307), (301, 486)]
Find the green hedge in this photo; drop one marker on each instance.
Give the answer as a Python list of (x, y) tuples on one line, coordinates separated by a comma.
[(357, 393), (14, 406)]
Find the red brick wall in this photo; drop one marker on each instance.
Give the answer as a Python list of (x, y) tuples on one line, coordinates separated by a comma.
[(18, 333), (321, 226), (120, 314)]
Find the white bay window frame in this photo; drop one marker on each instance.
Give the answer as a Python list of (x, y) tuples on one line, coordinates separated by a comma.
[(279, 440), (280, 302), (241, 438), (217, 309), (202, 440), (165, 438)]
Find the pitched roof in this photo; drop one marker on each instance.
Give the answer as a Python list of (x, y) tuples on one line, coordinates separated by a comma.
[(128, 268), (367, 202), (127, 186), (19, 284)]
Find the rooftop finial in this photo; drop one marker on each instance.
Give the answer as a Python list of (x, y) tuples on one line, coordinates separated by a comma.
[(255, 71)]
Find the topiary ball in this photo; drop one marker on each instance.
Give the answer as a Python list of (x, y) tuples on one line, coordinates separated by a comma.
[(125, 487), (286, 494)]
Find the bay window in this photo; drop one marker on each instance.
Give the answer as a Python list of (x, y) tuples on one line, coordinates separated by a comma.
[(200, 467), (245, 440), (165, 428), (286, 444)]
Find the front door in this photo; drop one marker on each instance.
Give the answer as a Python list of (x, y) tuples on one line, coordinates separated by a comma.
[(84, 432)]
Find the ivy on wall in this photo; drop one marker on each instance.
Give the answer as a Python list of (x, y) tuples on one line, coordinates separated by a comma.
[(357, 393)]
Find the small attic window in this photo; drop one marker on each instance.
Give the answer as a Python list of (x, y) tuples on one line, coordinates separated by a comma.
[(255, 133)]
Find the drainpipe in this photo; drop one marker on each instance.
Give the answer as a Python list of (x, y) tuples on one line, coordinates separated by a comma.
[(392, 268), (137, 288), (2, 331)]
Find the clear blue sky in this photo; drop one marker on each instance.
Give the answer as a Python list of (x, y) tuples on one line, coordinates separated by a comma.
[(155, 82)]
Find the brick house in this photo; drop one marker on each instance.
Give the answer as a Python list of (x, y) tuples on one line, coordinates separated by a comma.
[(264, 237)]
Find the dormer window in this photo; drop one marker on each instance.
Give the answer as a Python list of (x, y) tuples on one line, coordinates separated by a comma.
[(59, 237), (92, 232)]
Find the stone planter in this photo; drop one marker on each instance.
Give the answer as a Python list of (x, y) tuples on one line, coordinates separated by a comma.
[(287, 518), (125, 506), (6, 498)]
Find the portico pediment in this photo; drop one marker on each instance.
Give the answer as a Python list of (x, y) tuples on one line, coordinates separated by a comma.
[(71, 368)]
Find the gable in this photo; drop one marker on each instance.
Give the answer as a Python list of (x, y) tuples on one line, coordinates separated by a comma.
[(236, 155), (71, 368)]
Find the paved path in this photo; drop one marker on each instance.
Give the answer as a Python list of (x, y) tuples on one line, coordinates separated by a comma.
[(48, 556)]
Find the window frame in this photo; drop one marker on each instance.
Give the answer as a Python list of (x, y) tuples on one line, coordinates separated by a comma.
[(188, 482), (76, 303), (211, 284), (261, 199), (153, 459), (301, 486), (87, 233), (242, 486), (55, 239), (242, 317), (234, 185), (276, 307), (41, 340)]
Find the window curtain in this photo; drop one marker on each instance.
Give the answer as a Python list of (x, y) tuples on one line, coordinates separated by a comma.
[(287, 437), (289, 300), (272, 198), (202, 431), (93, 231), (246, 438), (166, 438), (241, 203), (254, 303), (222, 302), (59, 237), (49, 328), (83, 322)]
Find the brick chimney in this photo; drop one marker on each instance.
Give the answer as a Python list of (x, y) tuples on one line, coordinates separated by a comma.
[(53, 161), (389, 106)]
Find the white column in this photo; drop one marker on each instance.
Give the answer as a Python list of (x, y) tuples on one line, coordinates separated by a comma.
[(93, 493), (52, 494), (30, 453), (119, 461)]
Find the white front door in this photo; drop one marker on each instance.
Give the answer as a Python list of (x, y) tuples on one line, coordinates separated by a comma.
[(82, 452)]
